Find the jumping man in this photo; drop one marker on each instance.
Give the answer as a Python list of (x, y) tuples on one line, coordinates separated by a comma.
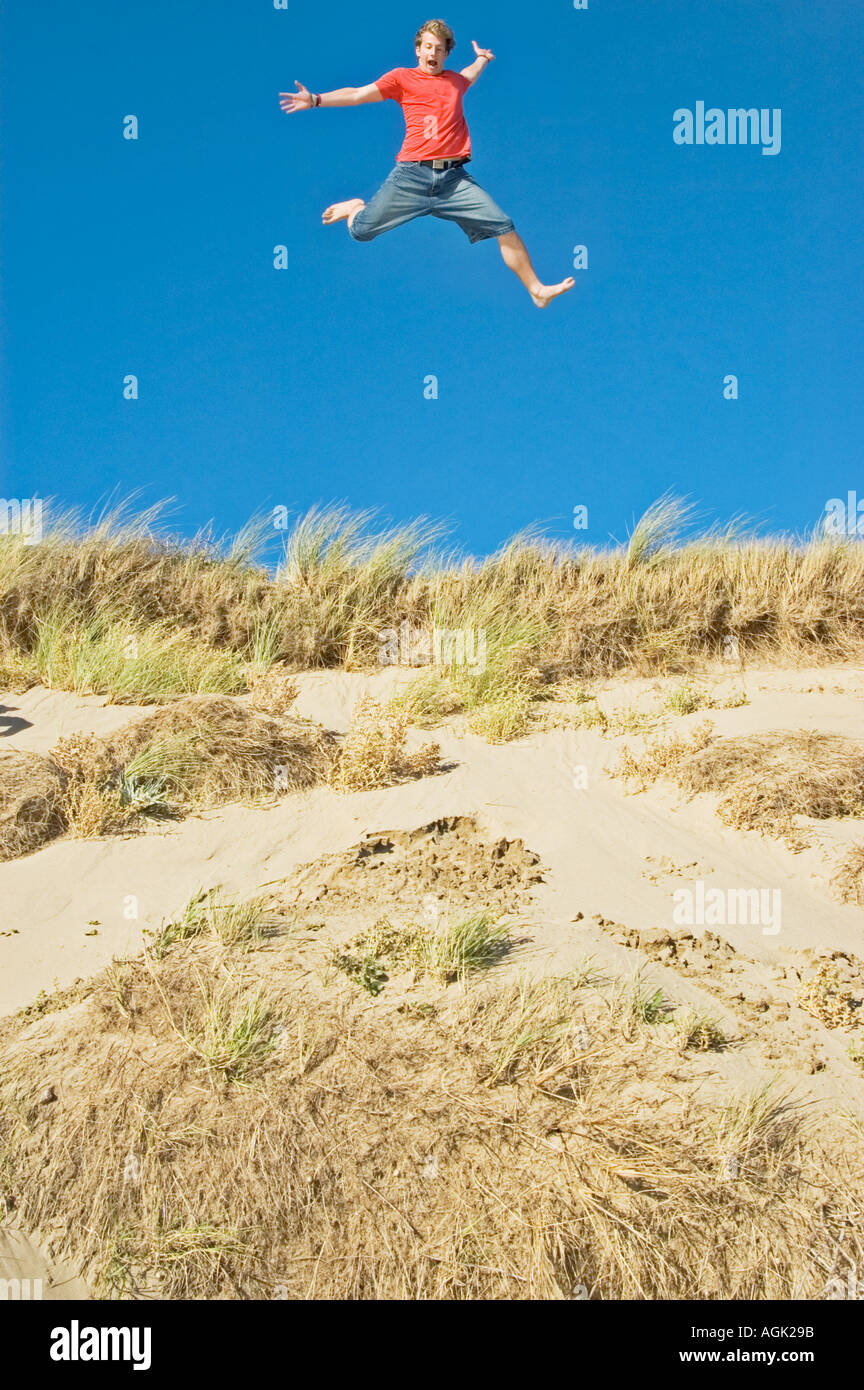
[(431, 177)]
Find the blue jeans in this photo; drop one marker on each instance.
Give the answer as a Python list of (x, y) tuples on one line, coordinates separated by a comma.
[(415, 190)]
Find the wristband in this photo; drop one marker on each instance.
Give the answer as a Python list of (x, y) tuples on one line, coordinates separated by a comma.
[(316, 98)]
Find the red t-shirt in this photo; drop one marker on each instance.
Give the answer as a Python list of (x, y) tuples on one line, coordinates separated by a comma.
[(435, 125)]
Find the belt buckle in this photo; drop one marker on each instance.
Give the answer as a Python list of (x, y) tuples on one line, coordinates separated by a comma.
[(439, 163)]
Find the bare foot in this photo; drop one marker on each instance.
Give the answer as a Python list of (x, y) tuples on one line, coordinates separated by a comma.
[(544, 294), (337, 212)]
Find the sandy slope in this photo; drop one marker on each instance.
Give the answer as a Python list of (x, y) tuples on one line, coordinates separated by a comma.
[(603, 850), (611, 862)]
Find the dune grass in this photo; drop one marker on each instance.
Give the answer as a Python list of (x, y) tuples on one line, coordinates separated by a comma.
[(253, 1132), (101, 656), (764, 781), (202, 609), (233, 1034), (190, 754)]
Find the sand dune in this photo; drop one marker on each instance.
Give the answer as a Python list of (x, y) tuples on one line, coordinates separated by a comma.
[(610, 865), (75, 904)]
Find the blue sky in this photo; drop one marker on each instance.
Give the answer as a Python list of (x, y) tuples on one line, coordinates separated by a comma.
[(262, 387)]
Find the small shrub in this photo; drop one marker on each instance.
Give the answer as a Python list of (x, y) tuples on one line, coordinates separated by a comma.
[(661, 757), (686, 698), (366, 971), (826, 998), (273, 691), (91, 802), (627, 720), (373, 753)]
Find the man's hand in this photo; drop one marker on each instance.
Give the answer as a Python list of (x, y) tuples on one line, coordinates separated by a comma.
[(484, 56), (301, 100)]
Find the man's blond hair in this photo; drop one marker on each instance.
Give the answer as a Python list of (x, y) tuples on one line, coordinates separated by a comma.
[(440, 30)]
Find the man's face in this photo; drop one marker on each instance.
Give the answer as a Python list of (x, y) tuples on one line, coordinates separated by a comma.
[(431, 53)]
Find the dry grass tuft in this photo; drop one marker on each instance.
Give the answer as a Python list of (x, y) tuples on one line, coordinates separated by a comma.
[(210, 749), (273, 691), (31, 796), (662, 757), (201, 751), (373, 753), (91, 804), (253, 1138), (764, 780), (848, 879)]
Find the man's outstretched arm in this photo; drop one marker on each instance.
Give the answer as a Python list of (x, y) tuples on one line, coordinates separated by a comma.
[(484, 57), (304, 100)]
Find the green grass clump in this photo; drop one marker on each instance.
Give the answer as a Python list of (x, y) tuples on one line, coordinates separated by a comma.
[(367, 971), (475, 943), (427, 700), (445, 953), (686, 698), (503, 719), (100, 656), (233, 922), (234, 1035), (699, 1032)]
